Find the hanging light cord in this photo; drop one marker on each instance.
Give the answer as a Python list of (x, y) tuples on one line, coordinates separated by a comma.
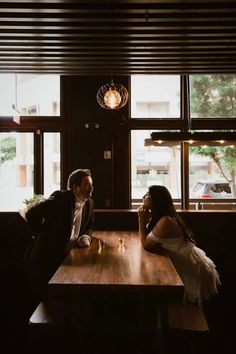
[(16, 90), (112, 42), (14, 105), (112, 95)]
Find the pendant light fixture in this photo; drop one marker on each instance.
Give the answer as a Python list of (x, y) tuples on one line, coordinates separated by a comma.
[(112, 95)]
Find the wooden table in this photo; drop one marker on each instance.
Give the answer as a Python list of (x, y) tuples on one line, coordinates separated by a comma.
[(110, 267)]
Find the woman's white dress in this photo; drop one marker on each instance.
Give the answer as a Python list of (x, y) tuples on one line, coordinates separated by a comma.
[(197, 271)]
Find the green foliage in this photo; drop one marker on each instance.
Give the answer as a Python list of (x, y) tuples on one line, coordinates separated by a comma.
[(7, 149), (223, 156), (213, 96), (36, 198)]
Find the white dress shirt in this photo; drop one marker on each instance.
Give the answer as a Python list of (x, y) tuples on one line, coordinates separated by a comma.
[(75, 239), (77, 219)]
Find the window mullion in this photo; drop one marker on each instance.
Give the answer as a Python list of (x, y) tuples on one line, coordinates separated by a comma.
[(184, 175), (185, 102), (38, 162)]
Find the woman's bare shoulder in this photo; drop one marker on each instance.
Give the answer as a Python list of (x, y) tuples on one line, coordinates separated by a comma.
[(166, 227), (167, 220)]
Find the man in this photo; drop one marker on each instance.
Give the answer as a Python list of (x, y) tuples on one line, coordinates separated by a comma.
[(62, 221), (80, 182)]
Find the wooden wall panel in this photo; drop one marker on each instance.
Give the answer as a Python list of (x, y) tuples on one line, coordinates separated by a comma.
[(84, 148)]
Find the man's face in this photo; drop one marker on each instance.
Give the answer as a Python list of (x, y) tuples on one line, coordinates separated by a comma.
[(85, 190)]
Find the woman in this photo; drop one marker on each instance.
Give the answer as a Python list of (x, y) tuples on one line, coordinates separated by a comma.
[(161, 226)]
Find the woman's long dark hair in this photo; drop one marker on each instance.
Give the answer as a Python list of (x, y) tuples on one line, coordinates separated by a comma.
[(162, 205)]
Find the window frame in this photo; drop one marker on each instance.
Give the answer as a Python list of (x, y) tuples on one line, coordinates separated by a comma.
[(184, 125), (38, 125)]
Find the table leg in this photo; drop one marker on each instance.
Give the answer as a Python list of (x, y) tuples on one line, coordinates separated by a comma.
[(164, 328)]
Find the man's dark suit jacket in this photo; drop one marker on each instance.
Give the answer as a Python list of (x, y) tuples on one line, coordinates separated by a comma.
[(51, 225)]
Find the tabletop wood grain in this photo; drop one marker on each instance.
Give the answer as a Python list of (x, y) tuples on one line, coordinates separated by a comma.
[(109, 265)]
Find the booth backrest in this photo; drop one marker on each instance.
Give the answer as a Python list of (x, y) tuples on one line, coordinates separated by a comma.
[(214, 231)]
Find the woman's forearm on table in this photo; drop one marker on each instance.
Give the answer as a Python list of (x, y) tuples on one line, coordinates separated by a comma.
[(142, 232)]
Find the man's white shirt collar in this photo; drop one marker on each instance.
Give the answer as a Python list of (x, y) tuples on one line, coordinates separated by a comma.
[(79, 203)]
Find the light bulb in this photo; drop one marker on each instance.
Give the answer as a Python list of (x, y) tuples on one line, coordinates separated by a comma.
[(112, 98)]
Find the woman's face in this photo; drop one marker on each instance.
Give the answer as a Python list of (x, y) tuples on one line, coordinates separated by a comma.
[(147, 201)]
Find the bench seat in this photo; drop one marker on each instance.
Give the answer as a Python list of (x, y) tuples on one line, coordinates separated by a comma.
[(186, 317), (188, 329), (49, 313)]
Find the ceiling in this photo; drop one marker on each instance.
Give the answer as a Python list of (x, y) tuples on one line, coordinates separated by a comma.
[(119, 37)]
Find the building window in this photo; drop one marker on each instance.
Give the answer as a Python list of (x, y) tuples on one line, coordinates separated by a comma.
[(30, 111)]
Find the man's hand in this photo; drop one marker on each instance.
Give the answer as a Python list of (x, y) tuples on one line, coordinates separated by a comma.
[(84, 241)]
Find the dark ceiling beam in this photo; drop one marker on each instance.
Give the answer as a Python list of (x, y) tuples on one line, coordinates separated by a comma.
[(156, 36)]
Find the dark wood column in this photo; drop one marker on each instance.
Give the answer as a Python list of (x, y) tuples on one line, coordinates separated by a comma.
[(84, 147)]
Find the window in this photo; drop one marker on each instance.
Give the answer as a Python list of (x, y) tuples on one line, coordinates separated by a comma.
[(155, 96), (153, 165), (201, 172), (212, 174), (29, 95), (52, 159), (16, 169), (30, 156), (213, 96), (30, 111), (212, 170)]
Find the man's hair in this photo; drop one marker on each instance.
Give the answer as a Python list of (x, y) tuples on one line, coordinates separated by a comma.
[(76, 177)]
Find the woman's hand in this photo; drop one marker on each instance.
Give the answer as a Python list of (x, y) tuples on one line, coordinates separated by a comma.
[(143, 213)]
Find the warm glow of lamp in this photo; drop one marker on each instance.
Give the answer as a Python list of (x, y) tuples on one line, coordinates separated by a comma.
[(112, 98)]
